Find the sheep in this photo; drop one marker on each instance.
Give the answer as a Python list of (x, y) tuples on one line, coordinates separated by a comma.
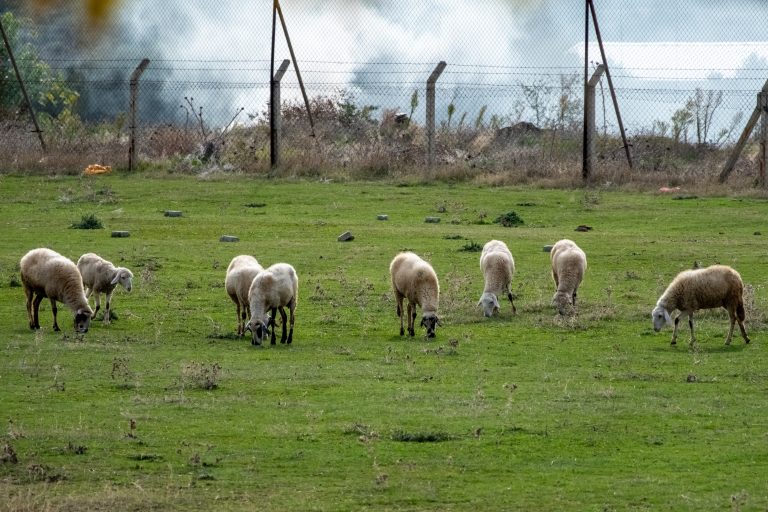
[(271, 290), (240, 273), (498, 267), (704, 288), (100, 275), (415, 279), (46, 273), (569, 263)]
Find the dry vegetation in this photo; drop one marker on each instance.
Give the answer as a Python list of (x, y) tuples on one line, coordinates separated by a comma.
[(350, 143)]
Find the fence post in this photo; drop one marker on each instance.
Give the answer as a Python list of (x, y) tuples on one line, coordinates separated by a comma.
[(431, 111), (589, 114), (731, 162), (21, 86), (762, 99), (134, 84), (276, 123)]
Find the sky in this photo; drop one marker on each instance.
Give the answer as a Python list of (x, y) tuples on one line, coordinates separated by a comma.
[(383, 50)]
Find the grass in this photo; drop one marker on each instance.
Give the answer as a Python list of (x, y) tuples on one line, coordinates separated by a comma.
[(167, 409)]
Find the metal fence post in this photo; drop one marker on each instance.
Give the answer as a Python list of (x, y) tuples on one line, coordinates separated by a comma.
[(21, 85), (276, 123), (589, 127), (431, 111), (762, 99), (753, 119), (134, 85)]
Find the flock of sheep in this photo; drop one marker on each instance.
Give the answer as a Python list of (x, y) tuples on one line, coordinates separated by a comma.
[(259, 293)]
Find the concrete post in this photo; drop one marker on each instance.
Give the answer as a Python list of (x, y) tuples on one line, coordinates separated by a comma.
[(431, 111), (276, 123)]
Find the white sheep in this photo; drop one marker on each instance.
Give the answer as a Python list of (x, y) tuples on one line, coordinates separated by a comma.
[(101, 276), (415, 279), (569, 263), (272, 289), (498, 267), (46, 273), (240, 273), (704, 288)]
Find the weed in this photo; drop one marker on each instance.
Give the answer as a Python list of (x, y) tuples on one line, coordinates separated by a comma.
[(509, 219), (122, 375), (200, 375), (421, 437), (471, 247), (14, 281), (89, 221)]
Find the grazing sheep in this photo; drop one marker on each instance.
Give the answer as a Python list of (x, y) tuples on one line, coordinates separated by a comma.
[(703, 288), (100, 275), (46, 273), (271, 290), (569, 263), (498, 267), (415, 279), (240, 273)]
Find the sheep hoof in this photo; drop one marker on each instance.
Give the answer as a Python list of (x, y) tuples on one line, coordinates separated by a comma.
[(673, 342)]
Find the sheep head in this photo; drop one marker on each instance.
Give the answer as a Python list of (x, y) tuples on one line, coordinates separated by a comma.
[(124, 277), (660, 316), (259, 329), (563, 301), (83, 320), (430, 322), (490, 304)]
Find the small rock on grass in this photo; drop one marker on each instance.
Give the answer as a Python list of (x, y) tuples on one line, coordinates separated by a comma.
[(172, 213), (432, 220), (347, 236), (382, 217), (228, 238), (121, 234)]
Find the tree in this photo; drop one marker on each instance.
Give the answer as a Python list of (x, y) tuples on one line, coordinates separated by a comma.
[(47, 89)]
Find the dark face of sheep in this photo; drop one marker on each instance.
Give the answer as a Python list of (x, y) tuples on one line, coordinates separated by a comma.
[(82, 321), (430, 323), (259, 330)]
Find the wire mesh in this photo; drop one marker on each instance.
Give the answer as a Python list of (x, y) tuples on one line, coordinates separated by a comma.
[(508, 61)]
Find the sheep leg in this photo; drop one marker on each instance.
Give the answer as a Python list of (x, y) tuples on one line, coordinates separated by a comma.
[(55, 310), (108, 308), (743, 332), (399, 300), (29, 294), (690, 324), (240, 319), (36, 311), (411, 318), (674, 331), (283, 318), (290, 332), (98, 304), (510, 297), (274, 317), (732, 318)]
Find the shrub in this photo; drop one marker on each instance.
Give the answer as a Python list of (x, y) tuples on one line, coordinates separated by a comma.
[(509, 220), (89, 221)]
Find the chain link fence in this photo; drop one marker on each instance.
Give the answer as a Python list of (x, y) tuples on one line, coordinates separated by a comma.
[(685, 72)]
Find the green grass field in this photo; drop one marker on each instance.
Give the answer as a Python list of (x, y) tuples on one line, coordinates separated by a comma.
[(166, 409)]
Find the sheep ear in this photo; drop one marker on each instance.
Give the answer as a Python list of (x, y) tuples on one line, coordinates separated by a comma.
[(667, 317), (248, 327), (496, 302), (116, 278), (480, 302)]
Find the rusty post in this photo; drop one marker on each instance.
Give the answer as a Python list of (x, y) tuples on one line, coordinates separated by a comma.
[(134, 85), (22, 87)]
